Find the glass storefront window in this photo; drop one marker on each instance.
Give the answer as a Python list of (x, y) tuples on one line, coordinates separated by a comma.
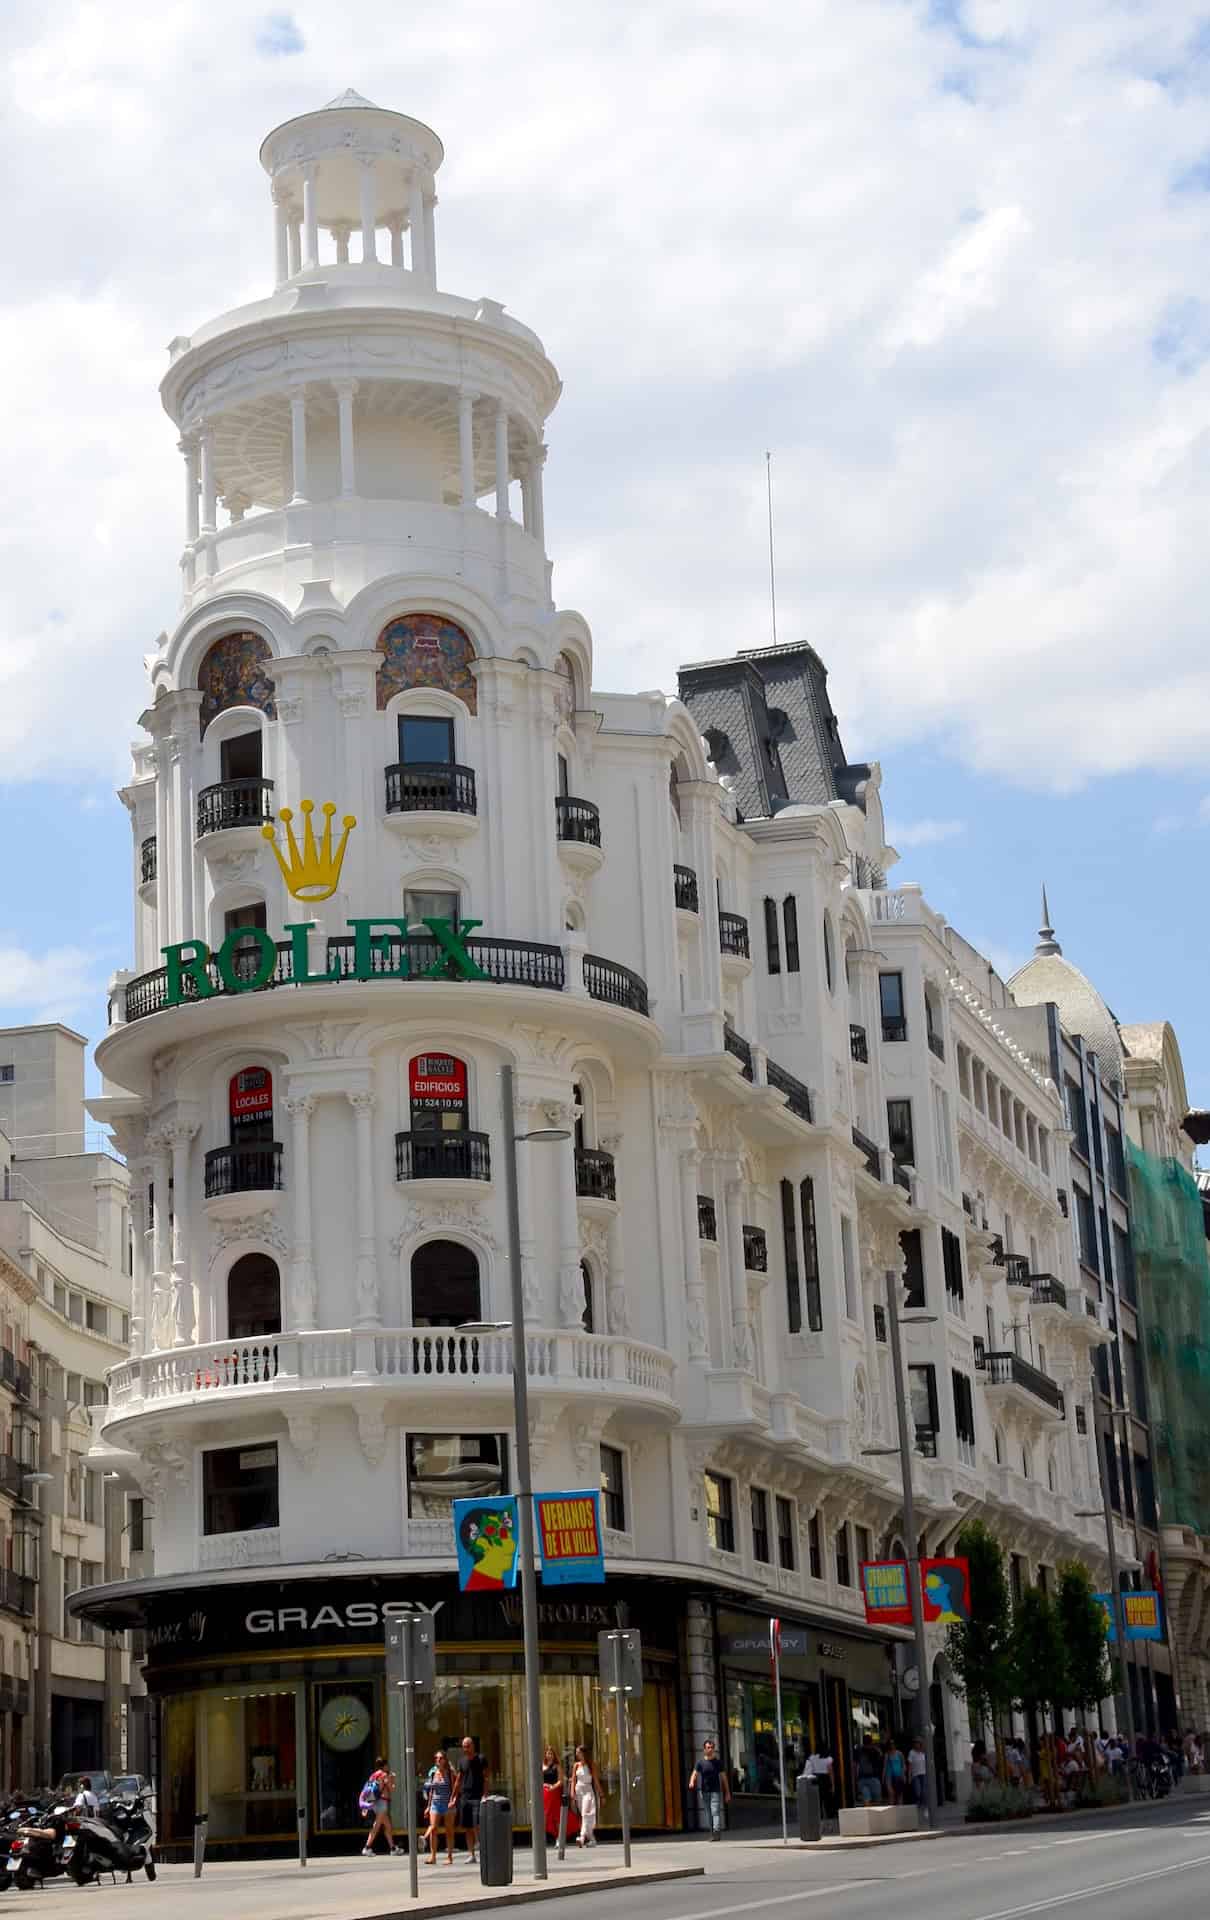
[(346, 1744), (251, 1763), (178, 1776), (752, 1732)]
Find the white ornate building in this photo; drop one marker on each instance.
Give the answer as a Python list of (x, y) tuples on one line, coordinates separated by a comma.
[(677, 926)]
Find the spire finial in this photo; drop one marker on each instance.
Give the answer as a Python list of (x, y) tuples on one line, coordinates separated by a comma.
[(1046, 933)]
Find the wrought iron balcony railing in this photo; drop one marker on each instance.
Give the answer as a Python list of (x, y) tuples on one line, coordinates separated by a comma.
[(432, 787), (442, 1156), (234, 803), (255, 1168)]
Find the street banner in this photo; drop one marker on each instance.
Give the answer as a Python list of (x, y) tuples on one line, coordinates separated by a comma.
[(945, 1590), (570, 1542), (1140, 1611), (485, 1536), (887, 1600)]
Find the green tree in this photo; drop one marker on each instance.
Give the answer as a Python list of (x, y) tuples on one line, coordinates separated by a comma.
[(1041, 1677), (1082, 1624), (979, 1648)]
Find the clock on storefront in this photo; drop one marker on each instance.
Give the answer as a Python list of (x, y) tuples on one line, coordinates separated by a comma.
[(344, 1724)]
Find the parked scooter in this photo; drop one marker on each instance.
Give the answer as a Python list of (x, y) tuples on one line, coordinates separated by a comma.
[(40, 1849), (120, 1842)]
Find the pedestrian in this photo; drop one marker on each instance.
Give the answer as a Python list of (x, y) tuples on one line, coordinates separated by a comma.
[(375, 1804), (86, 1801), (587, 1794), (818, 1767), (709, 1778), (917, 1766), (469, 1789), (552, 1792), (893, 1773), (439, 1805), (981, 1770), (869, 1773)]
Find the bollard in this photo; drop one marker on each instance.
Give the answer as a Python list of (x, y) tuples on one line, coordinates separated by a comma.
[(199, 1843), (300, 1815), (810, 1822)]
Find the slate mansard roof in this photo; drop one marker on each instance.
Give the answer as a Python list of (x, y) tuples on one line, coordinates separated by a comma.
[(767, 719)]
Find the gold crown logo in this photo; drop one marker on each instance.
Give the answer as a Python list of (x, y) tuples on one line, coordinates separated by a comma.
[(313, 873)]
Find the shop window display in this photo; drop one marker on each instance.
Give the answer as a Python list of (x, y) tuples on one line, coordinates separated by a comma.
[(251, 1762), (346, 1741), (752, 1732)]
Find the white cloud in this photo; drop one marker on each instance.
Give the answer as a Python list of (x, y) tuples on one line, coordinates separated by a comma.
[(56, 984), (924, 833), (951, 274)]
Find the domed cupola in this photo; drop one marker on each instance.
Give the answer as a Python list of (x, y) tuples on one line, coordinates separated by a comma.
[(1050, 976)]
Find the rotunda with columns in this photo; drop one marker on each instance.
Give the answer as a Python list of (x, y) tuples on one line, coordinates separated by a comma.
[(387, 839)]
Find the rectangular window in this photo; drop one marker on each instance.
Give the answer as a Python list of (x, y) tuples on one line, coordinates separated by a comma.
[(899, 1132), (613, 1488), (951, 1261), (964, 1408), (848, 1267), (1016, 1577), (444, 1467), (420, 905), (1077, 1114), (69, 1627), (242, 757), (6, 1074), (96, 1317), (864, 1549), (789, 1240), (814, 1548), (720, 1512), (250, 916), (810, 1256), (239, 1488), (844, 1565), (92, 1491), (1144, 1481), (425, 740), (1136, 1377), (1086, 1222), (760, 1525), (1123, 1265), (772, 945), (136, 1525), (789, 914), (890, 993), (784, 1515), (913, 1257), (1043, 1580), (922, 1403)]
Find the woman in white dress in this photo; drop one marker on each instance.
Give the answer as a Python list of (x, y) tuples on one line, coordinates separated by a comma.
[(586, 1789)]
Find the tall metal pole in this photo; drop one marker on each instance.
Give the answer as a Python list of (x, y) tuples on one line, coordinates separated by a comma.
[(772, 574), (525, 1502), (923, 1727), (619, 1694), (409, 1757), (775, 1637), (1119, 1612)]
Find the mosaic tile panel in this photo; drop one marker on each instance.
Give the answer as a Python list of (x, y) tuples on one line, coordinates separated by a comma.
[(233, 674), (425, 650)]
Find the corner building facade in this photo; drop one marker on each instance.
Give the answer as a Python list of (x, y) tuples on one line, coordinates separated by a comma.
[(312, 1114)]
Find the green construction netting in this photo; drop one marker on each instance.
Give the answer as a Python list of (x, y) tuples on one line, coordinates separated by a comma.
[(1173, 1271)]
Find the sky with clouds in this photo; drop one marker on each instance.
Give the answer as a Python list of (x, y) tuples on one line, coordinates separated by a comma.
[(948, 259)]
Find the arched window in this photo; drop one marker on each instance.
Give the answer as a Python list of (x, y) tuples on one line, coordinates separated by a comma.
[(1052, 1474), (250, 1107), (588, 1317), (445, 1285), (425, 650), (253, 1298)]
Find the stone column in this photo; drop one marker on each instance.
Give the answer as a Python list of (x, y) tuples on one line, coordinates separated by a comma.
[(139, 1213), (616, 1302), (345, 389), (466, 446), (180, 1135), (301, 1295), (696, 1324), (369, 210), (208, 486), (293, 242), (702, 1702), (416, 225), (395, 233), (571, 1294), (369, 1305), (502, 462), (188, 447), (298, 445), (281, 239), (741, 1319), (340, 231), (310, 243), (537, 518), (430, 238)]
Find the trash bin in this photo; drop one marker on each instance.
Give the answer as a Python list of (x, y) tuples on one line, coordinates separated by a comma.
[(496, 1841), (810, 1823)]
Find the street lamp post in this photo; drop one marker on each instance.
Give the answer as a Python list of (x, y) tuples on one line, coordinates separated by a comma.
[(913, 1545), (1105, 1512), (525, 1489)]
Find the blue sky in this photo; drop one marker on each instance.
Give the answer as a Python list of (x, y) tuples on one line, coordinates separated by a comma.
[(949, 261)]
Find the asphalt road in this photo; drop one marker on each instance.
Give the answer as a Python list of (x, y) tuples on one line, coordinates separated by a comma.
[(1149, 1865)]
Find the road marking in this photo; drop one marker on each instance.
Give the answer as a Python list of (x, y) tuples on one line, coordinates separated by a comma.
[(782, 1899), (1086, 1893)]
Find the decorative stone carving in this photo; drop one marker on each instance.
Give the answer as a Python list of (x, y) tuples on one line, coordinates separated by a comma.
[(372, 1434), (618, 1307), (247, 1226), (695, 1326), (352, 702), (859, 1412), (594, 1237), (586, 1444), (304, 1438), (227, 868), (290, 710), (741, 1343), (431, 849), (571, 1297), (423, 1216)]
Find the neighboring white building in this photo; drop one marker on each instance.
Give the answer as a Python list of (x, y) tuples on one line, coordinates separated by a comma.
[(65, 1266), (676, 924)]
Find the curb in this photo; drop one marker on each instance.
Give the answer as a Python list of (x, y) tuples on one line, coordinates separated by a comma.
[(558, 1891)]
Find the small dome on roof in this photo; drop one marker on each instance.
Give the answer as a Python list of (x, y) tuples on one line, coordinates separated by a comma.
[(1050, 976), (350, 98)]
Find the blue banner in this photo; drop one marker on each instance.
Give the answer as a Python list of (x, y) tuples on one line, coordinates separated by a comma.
[(1140, 1611), (485, 1536), (570, 1541)]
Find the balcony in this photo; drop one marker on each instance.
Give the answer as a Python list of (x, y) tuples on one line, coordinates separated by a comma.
[(442, 1156), (866, 1147), (902, 1178), (926, 1442), (1015, 1377), (234, 803), (859, 1046), (596, 1176), (936, 1044), (756, 1250), (798, 1096), (684, 888), (444, 793), (235, 1170), (148, 863), (733, 936), (894, 1029), (739, 1049), (578, 827), (707, 1218), (17, 1591), (1046, 1291), (12, 1476), (419, 1364), (609, 980)]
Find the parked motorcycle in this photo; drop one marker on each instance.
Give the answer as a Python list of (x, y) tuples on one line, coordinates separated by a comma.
[(119, 1842), (40, 1849)]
